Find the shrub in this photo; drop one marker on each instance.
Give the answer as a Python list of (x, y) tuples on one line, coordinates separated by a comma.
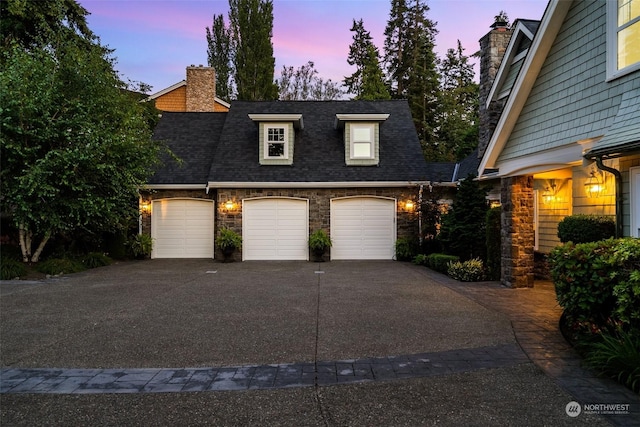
[(96, 259), (440, 262), (11, 269), (141, 245), (55, 266), (586, 228), (406, 249), (598, 283), (493, 243), (420, 259), (615, 355), (471, 270)]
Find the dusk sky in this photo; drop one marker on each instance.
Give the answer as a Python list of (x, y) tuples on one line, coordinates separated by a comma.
[(155, 40)]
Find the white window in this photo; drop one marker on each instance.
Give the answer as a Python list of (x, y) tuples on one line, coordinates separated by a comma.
[(623, 37), (276, 142), (362, 141)]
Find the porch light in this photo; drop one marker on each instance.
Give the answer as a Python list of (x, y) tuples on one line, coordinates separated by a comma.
[(145, 207), (229, 205), (593, 187), (409, 205), (549, 193)]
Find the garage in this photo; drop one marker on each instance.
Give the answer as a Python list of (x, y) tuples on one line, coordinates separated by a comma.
[(363, 228), (275, 229), (182, 228)]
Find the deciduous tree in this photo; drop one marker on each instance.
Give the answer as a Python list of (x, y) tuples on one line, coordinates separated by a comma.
[(303, 83)]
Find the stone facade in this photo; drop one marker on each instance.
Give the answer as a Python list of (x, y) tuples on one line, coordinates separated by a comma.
[(492, 48), (517, 232), (201, 89)]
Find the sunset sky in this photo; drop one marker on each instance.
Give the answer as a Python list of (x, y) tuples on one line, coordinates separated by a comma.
[(155, 40)]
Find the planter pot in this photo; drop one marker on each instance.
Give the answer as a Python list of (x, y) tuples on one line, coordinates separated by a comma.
[(318, 255), (227, 254)]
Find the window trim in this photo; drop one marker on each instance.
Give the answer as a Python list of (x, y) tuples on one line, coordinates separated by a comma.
[(371, 127), (266, 142), (612, 30)]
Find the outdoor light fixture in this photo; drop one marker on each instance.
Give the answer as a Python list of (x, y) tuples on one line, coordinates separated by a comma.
[(145, 207), (229, 205), (549, 193), (409, 205), (593, 187)]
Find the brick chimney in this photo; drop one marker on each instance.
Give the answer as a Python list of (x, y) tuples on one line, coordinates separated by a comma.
[(492, 48), (201, 88)]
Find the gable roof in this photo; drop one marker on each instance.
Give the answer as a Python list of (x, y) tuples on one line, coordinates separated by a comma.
[(319, 148), (193, 138), (552, 20), (178, 86), (513, 59)]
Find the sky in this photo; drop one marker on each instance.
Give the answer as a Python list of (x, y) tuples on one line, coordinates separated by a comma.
[(155, 40)]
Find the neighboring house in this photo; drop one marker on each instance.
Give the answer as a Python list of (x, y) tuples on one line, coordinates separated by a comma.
[(196, 93), (277, 171), (568, 139)]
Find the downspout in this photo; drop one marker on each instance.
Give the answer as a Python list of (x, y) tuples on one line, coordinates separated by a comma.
[(420, 214), (619, 199)]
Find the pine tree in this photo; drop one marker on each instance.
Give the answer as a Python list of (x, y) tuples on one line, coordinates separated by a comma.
[(458, 129), (367, 82), (219, 56), (251, 31)]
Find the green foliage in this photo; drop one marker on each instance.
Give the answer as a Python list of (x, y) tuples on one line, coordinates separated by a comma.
[(494, 241), (586, 228), (420, 259), (303, 84), (440, 262), (319, 241), (11, 269), (367, 81), (251, 26), (141, 245), (406, 249), (471, 270), (219, 56), (76, 146), (95, 260), (615, 355), (228, 240), (463, 231), (56, 266), (598, 284)]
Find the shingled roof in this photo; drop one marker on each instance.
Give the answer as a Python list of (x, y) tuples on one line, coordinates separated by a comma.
[(221, 149)]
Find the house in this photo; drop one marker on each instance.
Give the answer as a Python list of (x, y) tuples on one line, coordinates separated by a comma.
[(276, 171), (568, 139), (196, 93)]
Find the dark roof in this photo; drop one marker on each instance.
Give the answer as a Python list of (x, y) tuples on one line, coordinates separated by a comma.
[(468, 165), (193, 138), (531, 25), (319, 152)]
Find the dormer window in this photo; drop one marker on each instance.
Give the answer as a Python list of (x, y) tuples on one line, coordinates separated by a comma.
[(276, 137), (361, 137), (276, 146)]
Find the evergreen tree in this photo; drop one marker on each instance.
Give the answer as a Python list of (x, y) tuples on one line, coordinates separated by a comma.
[(463, 230), (367, 82), (395, 48), (458, 128), (251, 31), (219, 56)]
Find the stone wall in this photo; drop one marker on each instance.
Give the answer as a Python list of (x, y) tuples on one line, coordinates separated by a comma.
[(517, 232)]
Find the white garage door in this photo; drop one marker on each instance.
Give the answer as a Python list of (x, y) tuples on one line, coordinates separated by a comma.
[(275, 229), (363, 228), (182, 228)]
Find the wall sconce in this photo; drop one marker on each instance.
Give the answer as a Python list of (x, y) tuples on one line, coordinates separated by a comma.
[(594, 186), (409, 206), (145, 207), (549, 193), (229, 205)]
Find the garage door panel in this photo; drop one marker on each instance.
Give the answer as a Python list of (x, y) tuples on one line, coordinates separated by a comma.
[(182, 228), (363, 228), (275, 229)]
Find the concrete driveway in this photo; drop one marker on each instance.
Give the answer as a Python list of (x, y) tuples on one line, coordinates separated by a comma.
[(197, 313)]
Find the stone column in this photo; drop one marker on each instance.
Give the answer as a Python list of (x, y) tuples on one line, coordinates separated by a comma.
[(518, 237), (201, 89)]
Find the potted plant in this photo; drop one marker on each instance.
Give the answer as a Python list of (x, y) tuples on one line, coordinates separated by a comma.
[(228, 241), (319, 241), (141, 246)]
